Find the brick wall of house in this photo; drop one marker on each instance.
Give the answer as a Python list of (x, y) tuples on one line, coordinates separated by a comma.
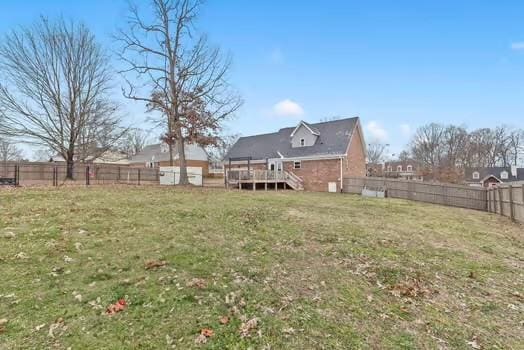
[(316, 174), (355, 164)]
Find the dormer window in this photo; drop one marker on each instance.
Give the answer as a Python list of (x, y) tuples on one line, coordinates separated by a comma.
[(504, 175), (304, 135), (390, 169), (410, 168), (164, 148), (399, 168), (476, 175)]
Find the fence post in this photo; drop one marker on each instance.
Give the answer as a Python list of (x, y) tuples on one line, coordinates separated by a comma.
[(490, 201), (138, 177), (511, 208), (522, 196), (17, 175), (501, 201), (87, 175), (486, 198)]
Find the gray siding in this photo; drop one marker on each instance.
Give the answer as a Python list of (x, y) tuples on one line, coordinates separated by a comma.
[(303, 133)]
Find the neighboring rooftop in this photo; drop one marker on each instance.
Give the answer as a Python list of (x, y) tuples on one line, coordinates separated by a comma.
[(160, 153), (333, 139), (485, 172)]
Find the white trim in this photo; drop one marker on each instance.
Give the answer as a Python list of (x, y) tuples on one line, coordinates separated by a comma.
[(327, 156), (307, 127), (341, 174), (362, 141), (290, 159), (280, 155), (295, 164), (488, 176)]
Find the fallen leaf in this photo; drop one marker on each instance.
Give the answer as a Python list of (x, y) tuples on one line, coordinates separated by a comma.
[(247, 327), (39, 327), (200, 339), (3, 323), (409, 288), (197, 283), (58, 326), (206, 332), (153, 264), (224, 320), (474, 344), (120, 305), (21, 255)]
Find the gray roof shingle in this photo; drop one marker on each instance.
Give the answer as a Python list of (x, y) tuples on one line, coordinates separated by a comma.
[(333, 139), (493, 171), (153, 153)]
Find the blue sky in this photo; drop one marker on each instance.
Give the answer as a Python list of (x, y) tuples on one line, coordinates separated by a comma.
[(396, 64)]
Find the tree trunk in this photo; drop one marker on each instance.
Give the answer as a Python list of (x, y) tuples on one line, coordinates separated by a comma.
[(70, 166), (171, 162), (182, 159)]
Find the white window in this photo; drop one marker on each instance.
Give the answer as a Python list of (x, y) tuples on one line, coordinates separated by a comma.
[(297, 164), (504, 175), (399, 167), (302, 142), (390, 168), (410, 168), (476, 175)]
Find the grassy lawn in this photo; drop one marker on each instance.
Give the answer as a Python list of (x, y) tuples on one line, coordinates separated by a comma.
[(289, 270)]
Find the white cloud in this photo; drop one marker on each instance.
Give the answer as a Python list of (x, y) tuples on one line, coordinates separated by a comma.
[(405, 129), (288, 108), (518, 46), (276, 56), (377, 132)]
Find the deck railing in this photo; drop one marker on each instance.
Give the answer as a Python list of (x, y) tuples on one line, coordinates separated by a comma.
[(256, 175)]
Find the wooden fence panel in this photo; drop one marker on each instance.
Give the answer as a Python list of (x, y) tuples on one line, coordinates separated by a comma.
[(510, 201), (444, 194)]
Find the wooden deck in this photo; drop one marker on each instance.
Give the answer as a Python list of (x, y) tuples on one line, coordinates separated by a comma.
[(263, 179)]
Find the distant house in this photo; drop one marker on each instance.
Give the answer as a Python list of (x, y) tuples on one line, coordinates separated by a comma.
[(408, 169), (314, 157), (105, 157), (157, 155), (492, 176)]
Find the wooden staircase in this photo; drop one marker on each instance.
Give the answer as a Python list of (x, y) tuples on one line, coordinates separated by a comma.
[(293, 181)]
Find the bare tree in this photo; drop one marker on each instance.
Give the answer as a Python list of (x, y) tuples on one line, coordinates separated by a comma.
[(133, 142), (517, 146), (42, 155), (219, 151), (9, 151), (376, 152), (54, 89), (404, 156), (427, 144), (177, 73)]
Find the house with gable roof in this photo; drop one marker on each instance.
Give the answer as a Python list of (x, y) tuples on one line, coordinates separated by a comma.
[(312, 157)]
